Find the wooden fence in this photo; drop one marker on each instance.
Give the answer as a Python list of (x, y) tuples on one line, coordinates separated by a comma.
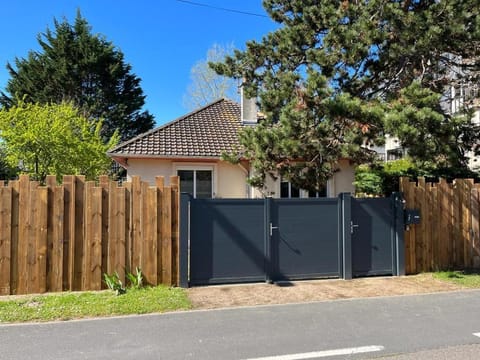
[(65, 237), (448, 235)]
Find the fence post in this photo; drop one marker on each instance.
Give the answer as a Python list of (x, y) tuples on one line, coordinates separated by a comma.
[(269, 269), (346, 236), (184, 225), (398, 233)]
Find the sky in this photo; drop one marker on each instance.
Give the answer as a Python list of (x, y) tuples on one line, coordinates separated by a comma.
[(161, 39)]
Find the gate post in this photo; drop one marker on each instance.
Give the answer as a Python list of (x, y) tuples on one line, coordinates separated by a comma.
[(269, 269), (184, 224), (398, 234), (346, 235)]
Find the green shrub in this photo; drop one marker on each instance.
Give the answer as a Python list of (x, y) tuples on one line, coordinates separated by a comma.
[(381, 179), (135, 280), (114, 283)]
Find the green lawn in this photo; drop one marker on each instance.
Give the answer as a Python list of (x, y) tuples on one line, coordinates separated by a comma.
[(66, 306), (465, 278)]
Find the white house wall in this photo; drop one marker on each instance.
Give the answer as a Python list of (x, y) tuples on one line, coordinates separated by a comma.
[(232, 181), (148, 169), (343, 179), (229, 180)]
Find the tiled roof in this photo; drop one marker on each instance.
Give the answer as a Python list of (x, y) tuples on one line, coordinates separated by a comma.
[(206, 132)]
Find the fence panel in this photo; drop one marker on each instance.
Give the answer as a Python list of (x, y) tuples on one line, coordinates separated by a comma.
[(448, 234), (64, 237)]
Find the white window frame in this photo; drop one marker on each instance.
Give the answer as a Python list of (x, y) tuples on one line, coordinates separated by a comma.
[(196, 167)]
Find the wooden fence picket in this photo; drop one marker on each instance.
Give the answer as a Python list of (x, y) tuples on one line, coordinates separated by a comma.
[(78, 237), (5, 239), (92, 267), (175, 201), (136, 198), (167, 236), (23, 238), (56, 249), (475, 226), (104, 182), (150, 241), (160, 184)]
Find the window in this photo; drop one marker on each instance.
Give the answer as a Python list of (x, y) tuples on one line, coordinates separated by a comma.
[(287, 190), (318, 194), (394, 154), (198, 183)]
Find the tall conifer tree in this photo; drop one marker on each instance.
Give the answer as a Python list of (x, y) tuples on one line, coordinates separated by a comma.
[(77, 66)]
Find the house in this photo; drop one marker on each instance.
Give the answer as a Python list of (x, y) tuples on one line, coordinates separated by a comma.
[(191, 147)]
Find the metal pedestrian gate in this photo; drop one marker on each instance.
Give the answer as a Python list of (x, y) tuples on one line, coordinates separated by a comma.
[(251, 240)]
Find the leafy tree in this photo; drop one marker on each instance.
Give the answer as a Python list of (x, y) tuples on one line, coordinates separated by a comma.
[(53, 139), (77, 66), (206, 85), (340, 73)]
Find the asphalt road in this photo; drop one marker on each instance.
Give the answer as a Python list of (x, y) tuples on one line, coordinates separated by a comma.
[(426, 326)]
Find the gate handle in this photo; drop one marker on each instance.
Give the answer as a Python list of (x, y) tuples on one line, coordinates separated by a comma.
[(271, 229), (353, 226)]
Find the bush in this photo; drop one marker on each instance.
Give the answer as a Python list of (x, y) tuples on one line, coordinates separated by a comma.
[(381, 179)]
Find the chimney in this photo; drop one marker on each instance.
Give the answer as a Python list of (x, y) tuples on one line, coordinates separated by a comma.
[(248, 109)]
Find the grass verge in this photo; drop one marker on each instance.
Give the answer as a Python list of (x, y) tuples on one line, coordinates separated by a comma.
[(67, 306), (465, 278)]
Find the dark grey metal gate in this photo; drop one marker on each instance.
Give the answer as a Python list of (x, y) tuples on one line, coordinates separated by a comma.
[(227, 241), (372, 230), (246, 240), (305, 238)]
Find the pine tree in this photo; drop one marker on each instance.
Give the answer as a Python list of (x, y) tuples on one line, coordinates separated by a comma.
[(86, 69), (339, 73)]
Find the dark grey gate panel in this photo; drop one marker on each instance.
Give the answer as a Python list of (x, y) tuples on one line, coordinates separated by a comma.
[(227, 241), (372, 236), (305, 238)]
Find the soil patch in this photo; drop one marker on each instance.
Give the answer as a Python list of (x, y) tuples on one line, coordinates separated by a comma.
[(209, 297)]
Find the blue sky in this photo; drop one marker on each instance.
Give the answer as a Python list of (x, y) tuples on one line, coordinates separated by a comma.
[(161, 39)]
